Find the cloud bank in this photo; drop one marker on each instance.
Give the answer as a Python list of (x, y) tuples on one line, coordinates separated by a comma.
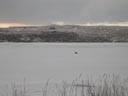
[(67, 11)]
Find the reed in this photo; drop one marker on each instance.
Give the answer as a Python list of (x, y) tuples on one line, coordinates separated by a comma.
[(107, 85)]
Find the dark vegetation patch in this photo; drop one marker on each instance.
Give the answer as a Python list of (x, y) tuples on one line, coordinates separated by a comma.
[(81, 34)]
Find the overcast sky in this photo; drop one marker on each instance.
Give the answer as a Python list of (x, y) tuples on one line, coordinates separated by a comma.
[(68, 11)]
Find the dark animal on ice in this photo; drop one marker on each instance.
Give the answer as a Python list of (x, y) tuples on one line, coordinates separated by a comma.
[(76, 52)]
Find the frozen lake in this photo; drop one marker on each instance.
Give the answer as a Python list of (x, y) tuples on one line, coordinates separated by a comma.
[(58, 61)]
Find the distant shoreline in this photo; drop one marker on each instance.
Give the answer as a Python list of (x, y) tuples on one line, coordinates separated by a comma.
[(65, 34)]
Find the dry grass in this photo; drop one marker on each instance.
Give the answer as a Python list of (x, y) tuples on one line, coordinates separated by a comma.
[(108, 85)]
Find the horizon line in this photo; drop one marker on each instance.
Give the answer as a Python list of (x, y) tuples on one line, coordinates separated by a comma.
[(7, 25)]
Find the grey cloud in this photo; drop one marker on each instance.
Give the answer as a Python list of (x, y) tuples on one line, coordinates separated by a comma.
[(73, 11), (106, 10)]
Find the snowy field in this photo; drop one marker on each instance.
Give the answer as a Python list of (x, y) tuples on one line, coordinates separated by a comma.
[(38, 62)]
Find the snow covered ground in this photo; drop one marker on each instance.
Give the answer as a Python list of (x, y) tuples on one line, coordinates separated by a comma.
[(38, 62)]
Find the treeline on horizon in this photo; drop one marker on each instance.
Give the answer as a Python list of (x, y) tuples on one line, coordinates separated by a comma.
[(88, 34), (52, 37), (43, 37)]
